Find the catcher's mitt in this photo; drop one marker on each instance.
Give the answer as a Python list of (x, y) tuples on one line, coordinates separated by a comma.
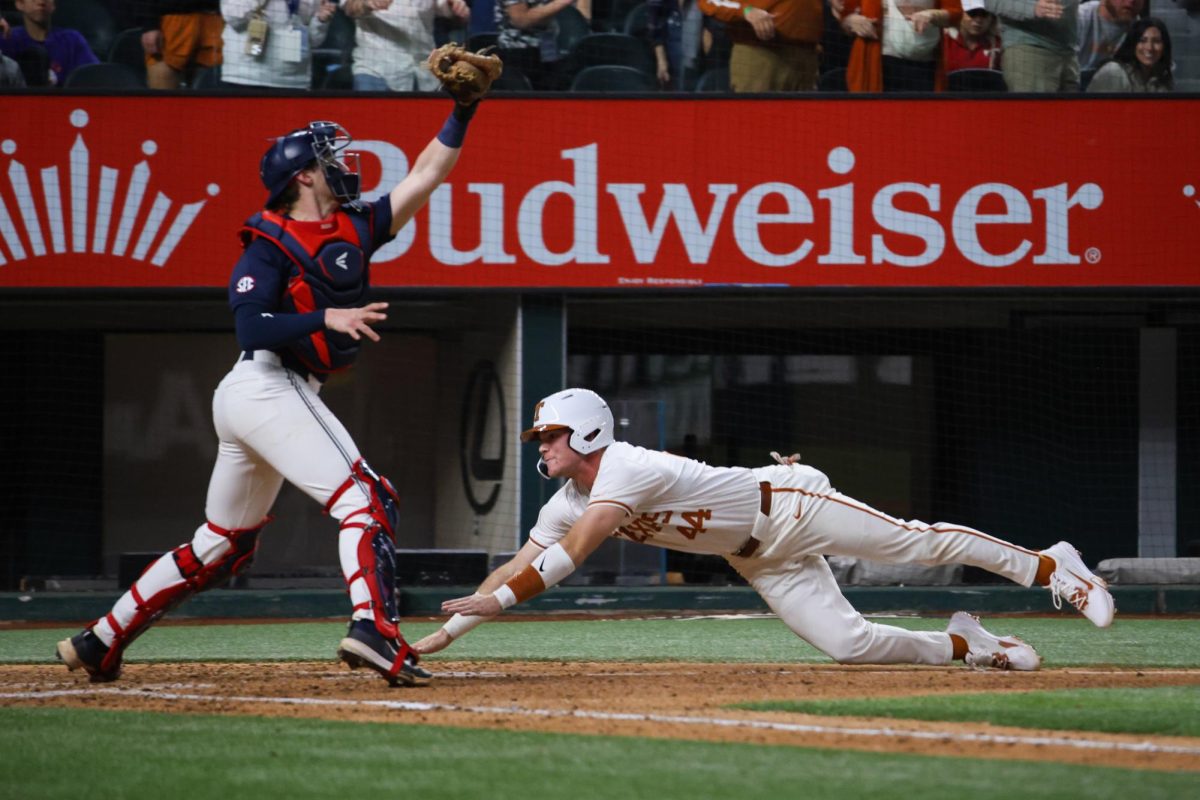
[(464, 74)]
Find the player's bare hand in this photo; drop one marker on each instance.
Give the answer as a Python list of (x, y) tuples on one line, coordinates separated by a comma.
[(152, 43), (837, 6), (479, 605), (763, 23), (356, 321), (1048, 9), (438, 640), (860, 26)]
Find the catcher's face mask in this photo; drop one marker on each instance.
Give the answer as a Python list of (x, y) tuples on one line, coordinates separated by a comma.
[(341, 168)]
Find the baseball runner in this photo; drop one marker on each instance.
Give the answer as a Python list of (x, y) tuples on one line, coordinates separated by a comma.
[(773, 524), (299, 299)]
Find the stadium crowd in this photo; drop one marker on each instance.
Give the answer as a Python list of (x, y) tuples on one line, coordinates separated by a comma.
[(1055, 46)]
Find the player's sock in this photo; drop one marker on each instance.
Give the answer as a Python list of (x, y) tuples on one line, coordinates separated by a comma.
[(960, 647), (1046, 566)]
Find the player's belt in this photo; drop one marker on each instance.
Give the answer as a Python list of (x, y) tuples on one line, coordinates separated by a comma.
[(764, 506), (271, 357)]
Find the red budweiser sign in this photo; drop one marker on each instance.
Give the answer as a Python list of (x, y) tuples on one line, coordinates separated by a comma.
[(606, 193)]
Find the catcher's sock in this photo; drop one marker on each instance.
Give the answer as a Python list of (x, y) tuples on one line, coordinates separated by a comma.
[(1046, 566), (960, 647)]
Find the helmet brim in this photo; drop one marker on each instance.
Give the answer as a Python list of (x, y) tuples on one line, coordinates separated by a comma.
[(531, 434)]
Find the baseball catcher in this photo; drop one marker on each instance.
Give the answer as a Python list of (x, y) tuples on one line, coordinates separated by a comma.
[(300, 297), (465, 75)]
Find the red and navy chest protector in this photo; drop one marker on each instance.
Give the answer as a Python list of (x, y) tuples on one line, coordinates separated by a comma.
[(329, 269)]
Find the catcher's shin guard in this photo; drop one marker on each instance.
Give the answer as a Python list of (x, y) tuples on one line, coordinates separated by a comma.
[(169, 581), (373, 553)]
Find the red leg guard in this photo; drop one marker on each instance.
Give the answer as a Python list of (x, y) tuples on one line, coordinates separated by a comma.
[(195, 575)]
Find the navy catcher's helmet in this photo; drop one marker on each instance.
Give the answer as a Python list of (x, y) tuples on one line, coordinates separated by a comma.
[(322, 142)]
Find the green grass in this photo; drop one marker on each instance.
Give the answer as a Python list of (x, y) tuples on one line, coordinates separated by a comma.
[(59, 753), (1063, 642), (1166, 711)]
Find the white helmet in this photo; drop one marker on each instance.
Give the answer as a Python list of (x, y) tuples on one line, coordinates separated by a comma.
[(582, 411)]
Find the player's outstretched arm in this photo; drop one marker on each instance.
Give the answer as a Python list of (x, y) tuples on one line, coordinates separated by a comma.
[(556, 563), (432, 167), (459, 624)]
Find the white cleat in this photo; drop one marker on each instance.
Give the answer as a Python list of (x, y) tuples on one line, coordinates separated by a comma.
[(986, 651), (1079, 586)]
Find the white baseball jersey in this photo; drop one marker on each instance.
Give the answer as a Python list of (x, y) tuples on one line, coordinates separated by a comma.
[(671, 501)]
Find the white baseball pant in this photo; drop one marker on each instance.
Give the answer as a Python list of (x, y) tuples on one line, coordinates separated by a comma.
[(809, 519), (272, 425)]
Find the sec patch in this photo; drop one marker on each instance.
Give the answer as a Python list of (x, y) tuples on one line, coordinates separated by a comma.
[(245, 284)]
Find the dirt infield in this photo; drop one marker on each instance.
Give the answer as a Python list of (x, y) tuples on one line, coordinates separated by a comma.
[(662, 700)]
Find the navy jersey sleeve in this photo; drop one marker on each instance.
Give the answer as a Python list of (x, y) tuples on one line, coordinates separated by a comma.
[(381, 223), (255, 293)]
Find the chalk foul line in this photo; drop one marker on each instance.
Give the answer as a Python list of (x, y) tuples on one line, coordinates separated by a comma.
[(886, 732)]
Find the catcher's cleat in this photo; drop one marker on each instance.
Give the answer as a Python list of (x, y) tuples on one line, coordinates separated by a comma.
[(85, 650), (986, 651), (1078, 585), (364, 646)]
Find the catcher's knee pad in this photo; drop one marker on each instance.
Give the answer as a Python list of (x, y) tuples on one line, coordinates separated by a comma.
[(176, 576), (383, 503)]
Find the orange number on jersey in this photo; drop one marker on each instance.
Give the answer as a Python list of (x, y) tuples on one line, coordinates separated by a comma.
[(696, 519)]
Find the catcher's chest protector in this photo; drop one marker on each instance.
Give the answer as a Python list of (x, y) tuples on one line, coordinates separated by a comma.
[(329, 270)]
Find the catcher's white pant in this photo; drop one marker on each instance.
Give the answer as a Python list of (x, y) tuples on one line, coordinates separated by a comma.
[(809, 519), (272, 426)]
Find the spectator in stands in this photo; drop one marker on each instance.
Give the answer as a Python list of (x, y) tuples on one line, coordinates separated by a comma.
[(529, 38), (1141, 64), (682, 37), (1040, 41), (775, 43), (898, 43), (1102, 26), (393, 40), (975, 43), (10, 74), (179, 37), (65, 49), (269, 42), (665, 21)]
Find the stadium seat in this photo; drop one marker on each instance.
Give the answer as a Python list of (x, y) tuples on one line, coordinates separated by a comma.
[(104, 76), (127, 49), (613, 78), (976, 80), (91, 19), (637, 22), (572, 26), (613, 49), (832, 80), (512, 79), (610, 15), (335, 51), (714, 80), (340, 79), (478, 41), (207, 79)]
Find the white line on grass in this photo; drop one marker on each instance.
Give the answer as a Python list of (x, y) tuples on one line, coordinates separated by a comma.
[(787, 727)]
